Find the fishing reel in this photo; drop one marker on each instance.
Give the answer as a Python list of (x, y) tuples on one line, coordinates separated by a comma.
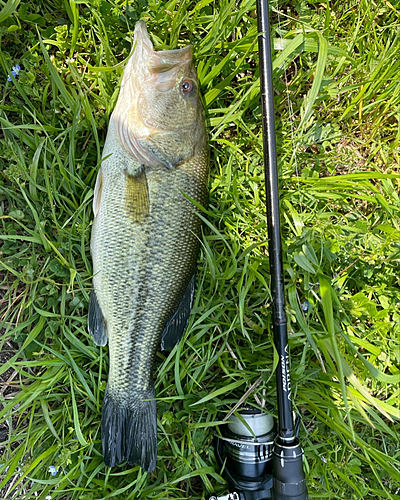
[(256, 462)]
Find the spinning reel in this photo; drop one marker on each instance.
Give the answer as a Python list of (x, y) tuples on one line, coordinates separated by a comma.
[(257, 464)]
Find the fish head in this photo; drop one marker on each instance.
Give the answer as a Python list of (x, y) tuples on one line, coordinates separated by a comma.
[(159, 113)]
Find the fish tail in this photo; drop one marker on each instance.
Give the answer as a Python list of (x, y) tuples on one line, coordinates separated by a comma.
[(129, 430)]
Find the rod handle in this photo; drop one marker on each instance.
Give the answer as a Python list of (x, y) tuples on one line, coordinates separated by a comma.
[(288, 472)]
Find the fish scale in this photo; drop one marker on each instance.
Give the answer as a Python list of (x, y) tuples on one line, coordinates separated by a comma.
[(171, 259), (145, 238)]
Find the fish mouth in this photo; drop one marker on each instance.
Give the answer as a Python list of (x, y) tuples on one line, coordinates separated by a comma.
[(161, 61), (148, 66), (141, 37)]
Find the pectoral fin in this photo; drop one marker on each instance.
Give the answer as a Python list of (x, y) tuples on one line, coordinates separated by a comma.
[(137, 195), (96, 324), (176, 326)]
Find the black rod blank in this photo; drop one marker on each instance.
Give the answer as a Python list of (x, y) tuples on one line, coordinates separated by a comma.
[(285, 419)]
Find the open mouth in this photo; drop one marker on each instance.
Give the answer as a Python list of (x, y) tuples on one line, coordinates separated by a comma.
[(160, 61)]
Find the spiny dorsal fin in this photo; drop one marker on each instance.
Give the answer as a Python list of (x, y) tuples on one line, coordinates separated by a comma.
[(176, 326), (137, 195)]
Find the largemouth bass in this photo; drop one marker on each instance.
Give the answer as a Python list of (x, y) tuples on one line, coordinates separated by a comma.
[(145, 237)]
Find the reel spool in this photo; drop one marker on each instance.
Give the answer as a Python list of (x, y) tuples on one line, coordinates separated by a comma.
[(246, 450)]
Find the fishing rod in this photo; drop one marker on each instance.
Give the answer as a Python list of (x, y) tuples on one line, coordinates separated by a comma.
[(267, 463)]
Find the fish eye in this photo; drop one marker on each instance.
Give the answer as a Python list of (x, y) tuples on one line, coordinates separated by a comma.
[(187, 86)]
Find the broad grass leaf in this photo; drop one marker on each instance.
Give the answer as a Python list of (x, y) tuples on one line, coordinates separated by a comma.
[(327, 306), (303, 262), (8, 9), (69, 99), (77, 424), (34, 332), (219, 392), (318, 76), (375, 372)]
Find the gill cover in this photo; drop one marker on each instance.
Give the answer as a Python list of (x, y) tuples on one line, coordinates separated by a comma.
[(156, 117)]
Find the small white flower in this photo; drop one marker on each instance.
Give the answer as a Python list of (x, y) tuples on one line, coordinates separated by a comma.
[(47, 498)]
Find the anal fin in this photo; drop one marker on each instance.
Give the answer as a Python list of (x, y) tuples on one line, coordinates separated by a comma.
[(96, 324), (176, 326)]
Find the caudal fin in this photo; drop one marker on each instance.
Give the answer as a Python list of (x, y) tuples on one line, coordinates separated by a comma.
[(129, 431)]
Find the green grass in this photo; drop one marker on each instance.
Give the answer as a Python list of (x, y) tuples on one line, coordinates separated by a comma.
[(336, 68)]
